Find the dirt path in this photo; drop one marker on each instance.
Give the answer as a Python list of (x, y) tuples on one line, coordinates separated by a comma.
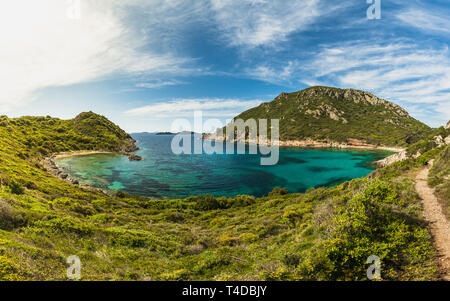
[(439, 226)]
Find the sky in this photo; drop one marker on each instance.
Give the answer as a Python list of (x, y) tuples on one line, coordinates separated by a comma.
[(145, 63)]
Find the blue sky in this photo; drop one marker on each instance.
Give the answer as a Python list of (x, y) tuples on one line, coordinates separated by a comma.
[(145, 63)]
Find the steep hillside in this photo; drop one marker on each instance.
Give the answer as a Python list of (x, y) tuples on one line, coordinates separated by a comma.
[(44, 135), (324, 234), (27, 140), (337, 115)]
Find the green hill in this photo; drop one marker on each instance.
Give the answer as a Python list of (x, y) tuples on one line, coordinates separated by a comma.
[(44, 135), (336, 115), (324, 234)]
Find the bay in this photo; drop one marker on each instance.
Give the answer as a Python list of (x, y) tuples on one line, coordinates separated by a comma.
[(163, 174)]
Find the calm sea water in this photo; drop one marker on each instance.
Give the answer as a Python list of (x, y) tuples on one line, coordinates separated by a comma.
[(165, 175)]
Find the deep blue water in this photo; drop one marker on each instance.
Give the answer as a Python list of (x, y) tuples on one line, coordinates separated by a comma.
[(165, 175)]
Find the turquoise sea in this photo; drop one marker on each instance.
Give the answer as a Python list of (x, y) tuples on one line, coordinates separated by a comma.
[(165, 175)]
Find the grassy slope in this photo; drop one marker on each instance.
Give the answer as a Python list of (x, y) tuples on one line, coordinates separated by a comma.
[(440, 179), (379, 123), (325, 234)]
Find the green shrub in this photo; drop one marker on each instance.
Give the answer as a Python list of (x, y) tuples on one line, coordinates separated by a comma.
[(8, 270), (121, 194), (207, 202), (16, 188), (10, 218), (278, 191), (128, 240)]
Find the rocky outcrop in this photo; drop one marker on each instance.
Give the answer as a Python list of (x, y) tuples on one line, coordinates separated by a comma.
[(134, 157), (392, 159), (129, 146), (439, 140), (327, 110), (356, 96)]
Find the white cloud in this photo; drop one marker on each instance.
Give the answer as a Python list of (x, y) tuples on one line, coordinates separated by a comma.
[(216, 107), (403, 72), (159, 84), (263, 22), (279, 75), (42, 47), (426, 20)]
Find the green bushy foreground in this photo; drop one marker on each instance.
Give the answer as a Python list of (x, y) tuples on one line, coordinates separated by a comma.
[(324, 234)]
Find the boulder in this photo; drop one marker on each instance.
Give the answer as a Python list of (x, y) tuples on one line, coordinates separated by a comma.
[(134, 157)]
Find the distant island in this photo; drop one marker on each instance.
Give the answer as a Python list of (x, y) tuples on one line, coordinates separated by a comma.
[(179, 133)]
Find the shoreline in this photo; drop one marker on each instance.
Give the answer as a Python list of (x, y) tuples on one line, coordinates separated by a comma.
[(318, 144), (339, 146), (53, 169), (80, 153)]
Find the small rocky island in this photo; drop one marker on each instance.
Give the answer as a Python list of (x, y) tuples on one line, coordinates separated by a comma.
[(134, 157)]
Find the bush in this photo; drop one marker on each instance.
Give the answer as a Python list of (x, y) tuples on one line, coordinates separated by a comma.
[(128, 240), (207, 202), (8, 271), (9, 217), (121, 194), (278, 191), (16, 188), (241, 201), (248, 237), (369, 226)]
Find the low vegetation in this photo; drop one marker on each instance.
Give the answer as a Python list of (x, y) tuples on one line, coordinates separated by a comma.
[(440, 179), (324, 234)]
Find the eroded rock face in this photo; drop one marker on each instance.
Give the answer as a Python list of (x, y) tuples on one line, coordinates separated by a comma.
[(439, 140), (448, 125), (282, 96), (356, 96), (329, 111), (392, 159)]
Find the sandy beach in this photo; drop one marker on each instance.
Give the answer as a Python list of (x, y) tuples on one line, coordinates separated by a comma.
[(79, 153)]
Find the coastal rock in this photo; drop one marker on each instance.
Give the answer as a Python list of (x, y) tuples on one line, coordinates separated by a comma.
[(133, 157), (392, 159), (351, 143)]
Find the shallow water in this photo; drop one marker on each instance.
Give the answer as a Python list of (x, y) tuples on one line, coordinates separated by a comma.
[(165, 175)]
